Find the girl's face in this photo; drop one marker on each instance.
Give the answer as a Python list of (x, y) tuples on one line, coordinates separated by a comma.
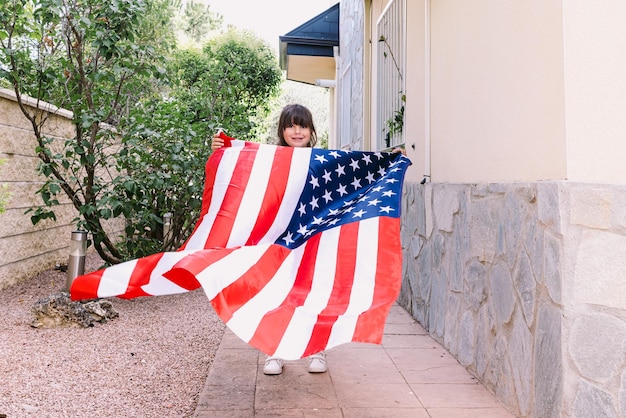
[(297, 136)]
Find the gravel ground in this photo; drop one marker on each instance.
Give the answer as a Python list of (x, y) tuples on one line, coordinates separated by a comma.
[(151, 361)]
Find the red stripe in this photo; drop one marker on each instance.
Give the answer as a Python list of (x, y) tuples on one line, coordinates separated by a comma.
[(370, 325), (141, 276), (342, 288), (86, 287), (210, 171), (225, 218), (274, 324), (274, 194), (184, 272), (237, 294)]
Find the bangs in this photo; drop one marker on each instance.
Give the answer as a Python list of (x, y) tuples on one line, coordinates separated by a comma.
[(299, 116)]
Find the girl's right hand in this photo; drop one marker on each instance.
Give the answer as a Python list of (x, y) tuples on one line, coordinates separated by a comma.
[(217, 142)]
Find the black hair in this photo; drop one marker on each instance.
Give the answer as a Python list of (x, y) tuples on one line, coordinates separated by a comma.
[(296, 114)]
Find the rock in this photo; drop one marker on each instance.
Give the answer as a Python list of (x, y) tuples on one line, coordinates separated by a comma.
[(58, 310)]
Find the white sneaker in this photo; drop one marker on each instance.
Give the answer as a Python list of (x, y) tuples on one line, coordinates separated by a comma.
[(273, 365), (317, 364)]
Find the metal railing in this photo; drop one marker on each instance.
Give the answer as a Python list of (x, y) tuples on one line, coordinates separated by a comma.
[(390, 82)]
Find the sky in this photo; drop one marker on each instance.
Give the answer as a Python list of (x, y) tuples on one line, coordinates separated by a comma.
[(269, 19)]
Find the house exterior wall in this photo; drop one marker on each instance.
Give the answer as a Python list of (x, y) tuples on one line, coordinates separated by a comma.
[(523, 284), (350, 88), (514, 251), (595, 64), (497, 91)]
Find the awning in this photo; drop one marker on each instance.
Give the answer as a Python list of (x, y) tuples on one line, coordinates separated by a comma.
[(306, 52)]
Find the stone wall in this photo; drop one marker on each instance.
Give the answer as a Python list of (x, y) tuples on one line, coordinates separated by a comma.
[(524, 285), (27, 249)]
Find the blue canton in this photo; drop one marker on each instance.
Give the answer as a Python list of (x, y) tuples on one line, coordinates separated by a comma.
[(344, 187)]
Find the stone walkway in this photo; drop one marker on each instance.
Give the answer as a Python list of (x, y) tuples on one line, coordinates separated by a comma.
[(409, 375)]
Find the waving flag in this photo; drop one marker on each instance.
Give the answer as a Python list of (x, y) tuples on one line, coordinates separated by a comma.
[(298, 249)]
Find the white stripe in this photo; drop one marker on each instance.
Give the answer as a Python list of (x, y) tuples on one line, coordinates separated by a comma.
[(222, 273), (298, 173), (250, 206), (159, 285), (115, 279), (362, 294), (298, 332), (222, 181), (246, 320)]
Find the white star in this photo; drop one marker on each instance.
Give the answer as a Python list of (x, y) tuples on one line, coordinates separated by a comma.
[(391, 181), (354, 164), (381, 172), (370, 177), (356, 183), (314, 182), (327, 196), (348, 203), (321, 158), (359, 214), (308, 233), (386, 209), (348, 209), (288, 239), (302, 230), (327, 176), (367, 159), (388, 193), (379, 155), (317, 221), (332, 222), (334, 154), (374, 202), (302, 209), (333, 212), (313, 203), (340, 170), (377, 188), (342, 190)]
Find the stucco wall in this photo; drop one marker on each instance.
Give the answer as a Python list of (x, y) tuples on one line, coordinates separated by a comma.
[(497, 92), (595, 64)]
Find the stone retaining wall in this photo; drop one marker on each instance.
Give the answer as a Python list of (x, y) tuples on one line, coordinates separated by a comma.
[(525, 284), (27, 249)]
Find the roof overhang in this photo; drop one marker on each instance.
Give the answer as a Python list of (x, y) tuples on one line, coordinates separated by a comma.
[(307, 52)]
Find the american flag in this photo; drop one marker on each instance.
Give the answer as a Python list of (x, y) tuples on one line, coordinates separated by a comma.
[(298, 249)]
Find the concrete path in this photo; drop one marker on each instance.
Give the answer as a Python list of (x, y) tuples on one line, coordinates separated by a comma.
[(409, 375)]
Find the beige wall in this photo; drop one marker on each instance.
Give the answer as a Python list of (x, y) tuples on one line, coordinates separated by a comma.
[(497, 91), (595, 80), (27, 249)]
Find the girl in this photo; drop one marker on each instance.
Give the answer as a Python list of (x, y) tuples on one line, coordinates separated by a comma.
[(295, 129)]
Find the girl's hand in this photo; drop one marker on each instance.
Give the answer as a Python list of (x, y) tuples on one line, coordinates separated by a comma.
[(399, 150), (217, 142)]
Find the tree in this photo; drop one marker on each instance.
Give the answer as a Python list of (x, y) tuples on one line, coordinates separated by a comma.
[(198, 20), (229, 83), (94, 58), (141, 133)]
